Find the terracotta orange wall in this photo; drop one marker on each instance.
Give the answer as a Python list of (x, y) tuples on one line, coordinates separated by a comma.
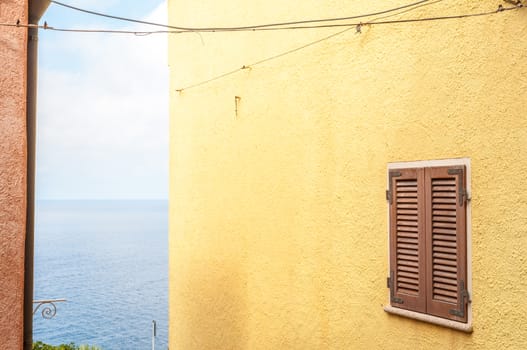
[(13, 44)]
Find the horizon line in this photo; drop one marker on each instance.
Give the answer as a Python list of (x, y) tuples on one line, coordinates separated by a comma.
[(101, 199)]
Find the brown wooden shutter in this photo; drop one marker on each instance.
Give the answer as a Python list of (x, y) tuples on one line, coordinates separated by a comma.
[(407, 239), (446, 273)]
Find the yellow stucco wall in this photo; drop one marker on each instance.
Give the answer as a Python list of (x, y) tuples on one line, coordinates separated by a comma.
[(278, 220)]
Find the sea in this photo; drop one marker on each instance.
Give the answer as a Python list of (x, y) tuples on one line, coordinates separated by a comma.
[(109, 260)]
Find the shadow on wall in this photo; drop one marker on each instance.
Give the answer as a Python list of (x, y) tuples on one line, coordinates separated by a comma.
[(211, 306)]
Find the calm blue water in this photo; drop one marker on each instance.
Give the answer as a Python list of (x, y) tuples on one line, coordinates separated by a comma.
[(109, 259)]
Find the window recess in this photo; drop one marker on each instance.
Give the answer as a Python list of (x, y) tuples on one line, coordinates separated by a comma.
[(428, 241)]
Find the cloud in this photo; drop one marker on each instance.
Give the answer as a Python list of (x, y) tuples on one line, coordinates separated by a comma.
[(103, 116)]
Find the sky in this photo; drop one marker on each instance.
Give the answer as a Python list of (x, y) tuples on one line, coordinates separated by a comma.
[(102, 113)]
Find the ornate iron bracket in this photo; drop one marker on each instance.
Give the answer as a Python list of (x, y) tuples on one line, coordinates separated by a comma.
[(49, 309)]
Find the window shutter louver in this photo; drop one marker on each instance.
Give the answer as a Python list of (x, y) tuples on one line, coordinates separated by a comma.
[(407, 243), (446, 261)]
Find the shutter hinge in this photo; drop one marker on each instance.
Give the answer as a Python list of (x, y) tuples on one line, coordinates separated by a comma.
[(464, 298), (389, 192), (462, 194), (393, 298)]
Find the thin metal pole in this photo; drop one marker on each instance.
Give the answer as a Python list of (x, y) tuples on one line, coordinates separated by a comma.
[(154, 333), (36, 9), (32, 49)]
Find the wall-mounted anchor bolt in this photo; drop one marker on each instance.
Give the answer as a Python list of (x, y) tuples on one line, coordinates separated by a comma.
[(236, 105), (358, 28)]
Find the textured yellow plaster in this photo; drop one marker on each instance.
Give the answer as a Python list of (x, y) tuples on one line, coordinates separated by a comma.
[(278, 225)]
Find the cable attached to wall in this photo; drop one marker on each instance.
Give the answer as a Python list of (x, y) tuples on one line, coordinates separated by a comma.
[(355, 25), (239, 28), (358, 29), (249, 66), (265, 27)]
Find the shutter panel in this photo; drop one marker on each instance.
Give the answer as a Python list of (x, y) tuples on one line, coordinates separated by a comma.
[(446, 242), (407, 248)]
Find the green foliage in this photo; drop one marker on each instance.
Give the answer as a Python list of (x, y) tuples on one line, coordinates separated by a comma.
[(71, 346), (88, 347), (41, 346)]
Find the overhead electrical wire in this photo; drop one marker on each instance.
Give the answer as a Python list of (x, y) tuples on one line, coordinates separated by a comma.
[(286, 52), (410, 20), (20, 25), (274, 26), (108, 31), (249, 27), (404, 11), (354, 24), (357, 26), (262, 61)]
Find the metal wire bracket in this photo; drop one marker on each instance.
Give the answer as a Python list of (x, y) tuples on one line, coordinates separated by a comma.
[(49, 309)]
